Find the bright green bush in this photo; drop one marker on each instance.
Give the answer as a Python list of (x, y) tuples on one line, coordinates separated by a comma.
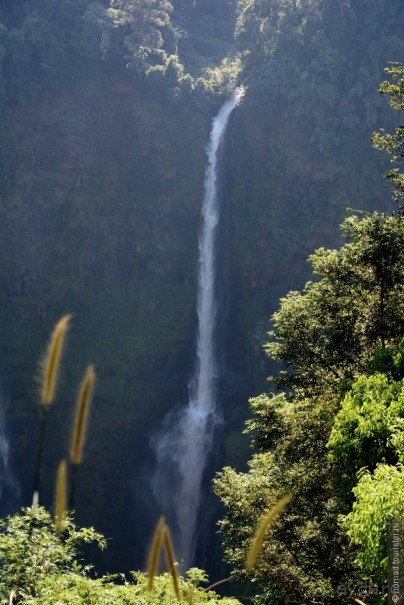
[(77, 589), (40, 566), (31, 551), (379, 499), (369, 427)]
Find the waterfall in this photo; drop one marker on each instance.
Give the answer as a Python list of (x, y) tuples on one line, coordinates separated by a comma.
[(9, 487), (181, 447)]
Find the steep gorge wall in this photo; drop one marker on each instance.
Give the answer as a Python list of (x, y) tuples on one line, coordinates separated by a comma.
[(102, 222), (300, 151)]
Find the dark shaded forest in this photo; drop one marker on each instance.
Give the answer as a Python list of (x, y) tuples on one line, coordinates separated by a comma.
[(105, 111)]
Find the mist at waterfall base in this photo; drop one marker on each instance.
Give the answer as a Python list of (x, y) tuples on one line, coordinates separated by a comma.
[(9, 486), (185, 440)]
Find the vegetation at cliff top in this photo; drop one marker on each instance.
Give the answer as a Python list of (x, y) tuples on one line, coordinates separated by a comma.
[(394, 143)]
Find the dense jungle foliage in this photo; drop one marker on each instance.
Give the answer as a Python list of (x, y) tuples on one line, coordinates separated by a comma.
[(105, 110), (335, 437)]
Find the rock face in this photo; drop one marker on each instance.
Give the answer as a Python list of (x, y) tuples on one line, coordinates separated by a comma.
[(103, 222), (102, 183)]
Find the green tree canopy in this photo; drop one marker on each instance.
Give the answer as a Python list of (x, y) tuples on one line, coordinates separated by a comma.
[(327, 333), (368, 428), (145, 25), (349, 322), (379, 500), (394, 143), (32, 550)]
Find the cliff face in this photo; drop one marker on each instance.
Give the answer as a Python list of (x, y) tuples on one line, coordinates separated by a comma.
[(103, 178), (102, 222), (299, 151)]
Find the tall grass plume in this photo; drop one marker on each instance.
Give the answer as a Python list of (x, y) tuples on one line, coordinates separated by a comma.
[(170, 556), (262, 530), (51, 362), (49, 371), (81, 418), (162, 538), (80, 426), (191, 591), (154, 553), (61, 495)]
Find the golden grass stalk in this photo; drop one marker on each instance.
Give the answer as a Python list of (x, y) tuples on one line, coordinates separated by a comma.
[(155, 552), (82, 409), (262, 530), (216, 584), (51, 362), (170, 556), (161, 537), (49, 374), (359, 601), (61, 495)]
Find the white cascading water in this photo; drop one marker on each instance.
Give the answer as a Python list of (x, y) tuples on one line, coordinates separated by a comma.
[(9, 487), (186, 438)]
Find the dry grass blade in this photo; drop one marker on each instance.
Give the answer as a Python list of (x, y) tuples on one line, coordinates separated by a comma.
[(216, 584), (51, 362), (262, 530), (169, 550), (82, 409), (191, 591), (155, 552), (162, 536), (359, 601), (61, 495)]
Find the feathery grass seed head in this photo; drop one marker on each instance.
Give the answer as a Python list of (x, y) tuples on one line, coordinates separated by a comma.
[(162, 537), (170, 556), (155, 552), (51, 362), (82, 410), (262, 530), (61, 495)]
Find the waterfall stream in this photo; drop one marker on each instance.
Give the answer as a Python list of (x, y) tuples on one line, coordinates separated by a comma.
[(9, 486), (181, 447)]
